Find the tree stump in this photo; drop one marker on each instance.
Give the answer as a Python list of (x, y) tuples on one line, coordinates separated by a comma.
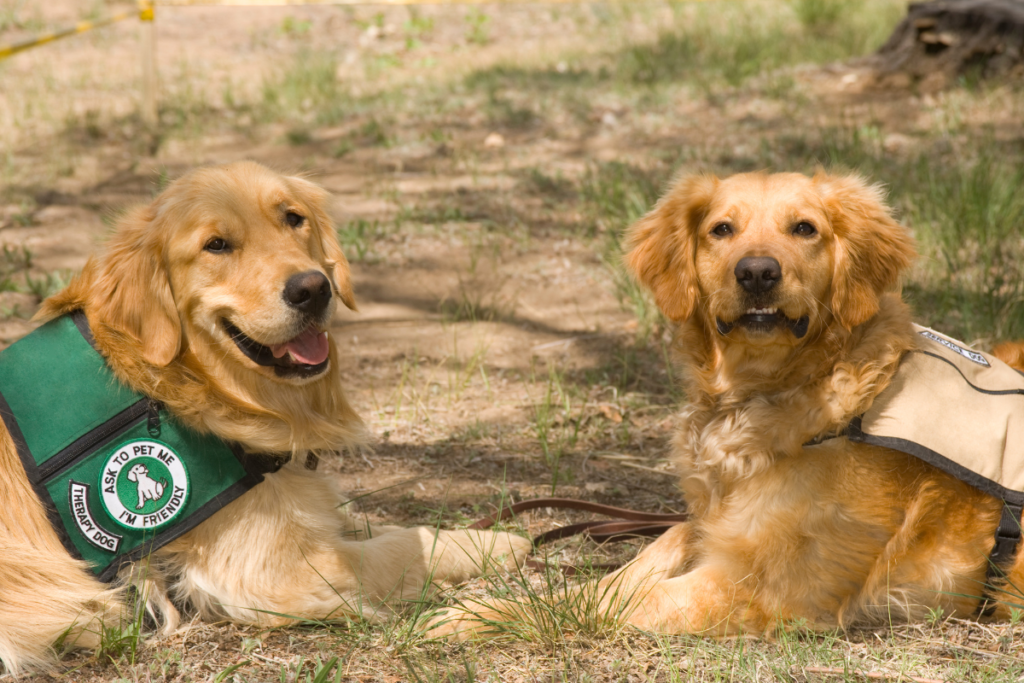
[(942, 40)]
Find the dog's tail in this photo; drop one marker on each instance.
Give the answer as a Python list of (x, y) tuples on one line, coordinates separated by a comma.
[(1011, 353), (48, 600)]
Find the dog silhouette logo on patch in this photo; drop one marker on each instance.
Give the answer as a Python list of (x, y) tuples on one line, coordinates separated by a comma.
[(144, 485), (149, 489)]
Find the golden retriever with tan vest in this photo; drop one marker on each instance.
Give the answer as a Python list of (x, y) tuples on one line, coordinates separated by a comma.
[(804, 506)]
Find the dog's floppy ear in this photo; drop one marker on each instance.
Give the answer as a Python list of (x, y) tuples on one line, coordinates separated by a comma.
[(334, 258), (872, 249), (661, 245), (129, 288)]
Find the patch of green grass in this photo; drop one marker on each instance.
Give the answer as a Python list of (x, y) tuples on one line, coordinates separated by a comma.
[(478, 27), (298, 135), (372, 133), (186, 108), (557, 426), (544, 608), (506, 112), (317, 671), (639, 366), (307, 88), (123, 641), (294, 28), (356, 237), (446, 211), (417, 28), (479, 295), (821, 14), (732, 42), (12, 17), (14, 260), (555, 187), (48, 284), (614, 196), (719, 43), (969, 219), (541, 79), (476, 300), (375, 133)]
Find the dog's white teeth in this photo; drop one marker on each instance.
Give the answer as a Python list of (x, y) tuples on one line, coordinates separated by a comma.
[(762, 311)]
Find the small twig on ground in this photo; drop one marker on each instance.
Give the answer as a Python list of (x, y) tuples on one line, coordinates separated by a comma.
[(872, 675), (565, 342), (271, 660), (624, 463), (968, 648)]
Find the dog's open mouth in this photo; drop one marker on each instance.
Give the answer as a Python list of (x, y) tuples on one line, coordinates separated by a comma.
[(765, 320), (302, 356)]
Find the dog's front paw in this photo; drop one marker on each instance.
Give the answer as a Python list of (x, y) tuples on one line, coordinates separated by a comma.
[(475, 622), (507, 550), (468, 553)]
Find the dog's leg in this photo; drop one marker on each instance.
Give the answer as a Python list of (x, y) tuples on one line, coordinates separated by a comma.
[(662, 559), (702, 601), (613, 598), (279, 552), (397, 565)]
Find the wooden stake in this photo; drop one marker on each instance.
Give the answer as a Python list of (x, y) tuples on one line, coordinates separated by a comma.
[(149, 75)]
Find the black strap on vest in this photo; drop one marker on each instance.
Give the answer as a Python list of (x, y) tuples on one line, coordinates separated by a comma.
[(1008, 535)]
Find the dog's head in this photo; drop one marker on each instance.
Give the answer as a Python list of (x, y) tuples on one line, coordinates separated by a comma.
[(763, 259), (135, 471), (235, 260)]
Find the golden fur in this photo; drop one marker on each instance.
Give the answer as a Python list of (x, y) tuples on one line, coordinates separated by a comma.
[(156, 302), (834, 534)]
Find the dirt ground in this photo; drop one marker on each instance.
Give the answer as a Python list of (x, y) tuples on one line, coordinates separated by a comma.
[(492, 356)]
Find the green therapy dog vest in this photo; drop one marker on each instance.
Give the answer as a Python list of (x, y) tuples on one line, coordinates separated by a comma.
[(119, 477), (963, 412)]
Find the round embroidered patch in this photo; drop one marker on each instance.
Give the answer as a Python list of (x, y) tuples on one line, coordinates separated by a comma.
[(144, 485)]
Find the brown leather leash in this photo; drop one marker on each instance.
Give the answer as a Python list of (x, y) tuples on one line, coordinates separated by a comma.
[(638, 524)]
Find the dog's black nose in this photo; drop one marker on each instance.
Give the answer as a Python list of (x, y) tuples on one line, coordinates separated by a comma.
[(309, 292), (758, 274)]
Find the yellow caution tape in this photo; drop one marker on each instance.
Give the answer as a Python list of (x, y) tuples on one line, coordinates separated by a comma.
[(278, 3), (145, 13), (80, 27)]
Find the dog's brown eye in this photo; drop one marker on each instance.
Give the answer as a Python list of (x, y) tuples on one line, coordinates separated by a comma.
[(722, 230), (293, 219), (217, 245), (804, 229)]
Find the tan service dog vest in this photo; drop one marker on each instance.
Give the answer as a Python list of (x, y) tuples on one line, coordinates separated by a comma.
[(963, 412)]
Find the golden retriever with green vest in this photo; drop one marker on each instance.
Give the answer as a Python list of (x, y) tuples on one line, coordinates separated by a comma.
[(215, 300)]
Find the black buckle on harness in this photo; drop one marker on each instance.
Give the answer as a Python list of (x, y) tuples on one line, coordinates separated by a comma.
[(1008, 535)]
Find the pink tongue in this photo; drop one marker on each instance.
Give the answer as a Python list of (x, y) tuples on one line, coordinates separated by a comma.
[(310, 347)]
